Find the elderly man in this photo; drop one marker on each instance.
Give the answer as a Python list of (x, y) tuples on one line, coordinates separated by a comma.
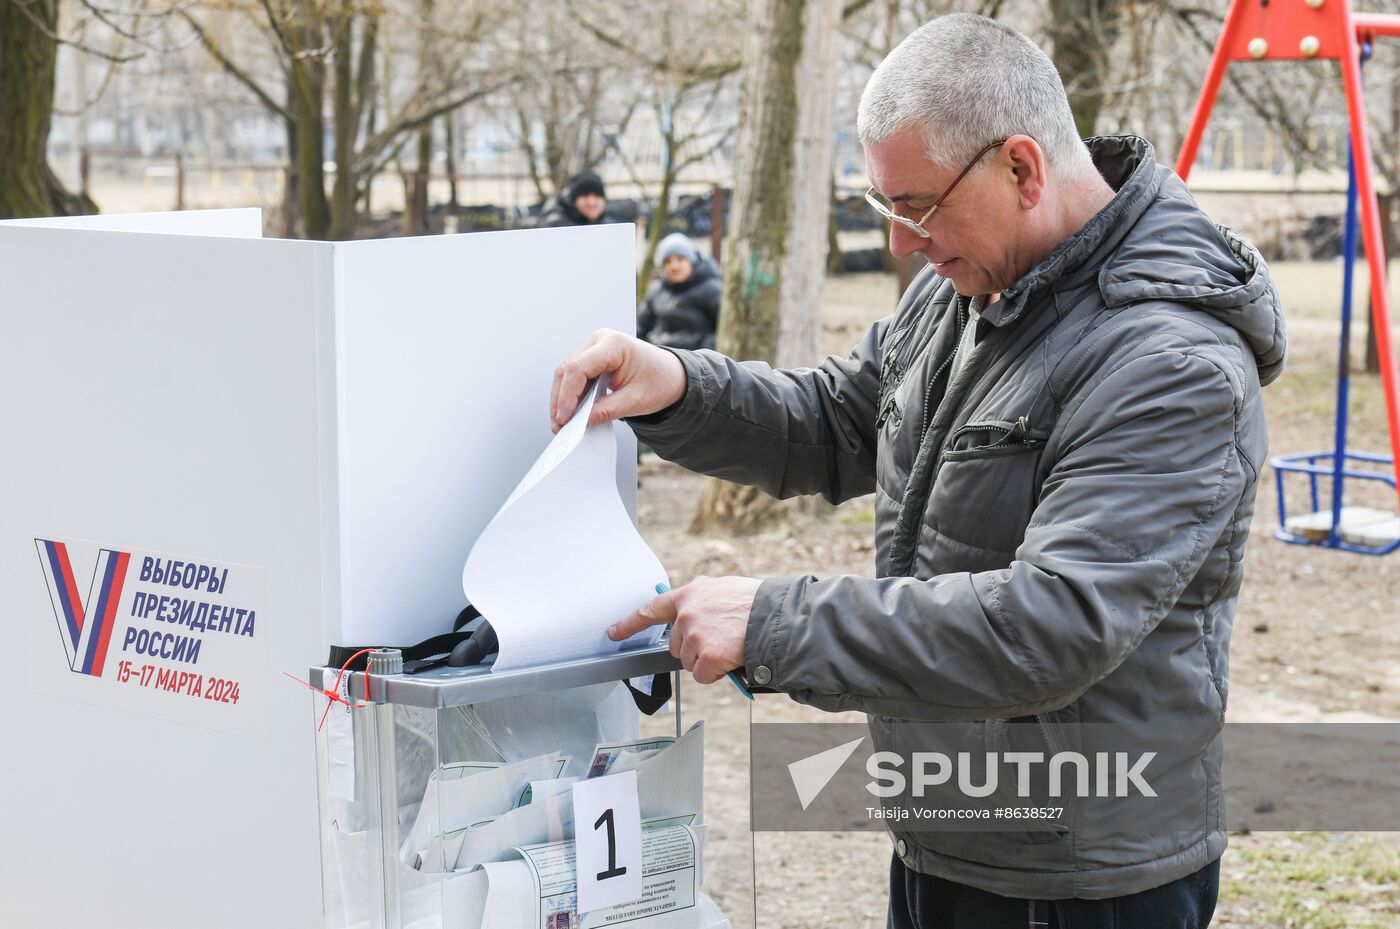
[(1063, 430)]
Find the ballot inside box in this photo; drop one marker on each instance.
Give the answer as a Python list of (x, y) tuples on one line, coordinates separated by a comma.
[(448, 798)]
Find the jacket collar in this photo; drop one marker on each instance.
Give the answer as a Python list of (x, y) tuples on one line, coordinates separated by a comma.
[(1129, 165)]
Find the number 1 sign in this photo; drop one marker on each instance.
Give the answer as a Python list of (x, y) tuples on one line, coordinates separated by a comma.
[(608, 841)]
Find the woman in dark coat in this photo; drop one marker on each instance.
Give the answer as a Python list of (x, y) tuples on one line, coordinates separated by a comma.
[(682, 308)]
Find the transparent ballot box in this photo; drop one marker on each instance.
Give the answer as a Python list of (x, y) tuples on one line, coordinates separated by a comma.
[(447, 800)]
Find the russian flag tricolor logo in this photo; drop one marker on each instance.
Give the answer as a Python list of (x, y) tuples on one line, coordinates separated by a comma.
[(84, 623)]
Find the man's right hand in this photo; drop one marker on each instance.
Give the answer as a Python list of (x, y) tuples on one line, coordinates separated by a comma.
[(645, 379)]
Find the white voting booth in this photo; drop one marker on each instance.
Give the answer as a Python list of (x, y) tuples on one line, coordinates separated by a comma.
[(223, 455)]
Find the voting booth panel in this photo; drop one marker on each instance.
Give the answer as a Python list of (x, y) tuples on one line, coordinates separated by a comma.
[(225, 454), (445, 353), (243, 223)]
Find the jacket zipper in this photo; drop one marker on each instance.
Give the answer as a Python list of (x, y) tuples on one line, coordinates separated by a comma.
[(933, 382), (1019, 431), (905, 565)]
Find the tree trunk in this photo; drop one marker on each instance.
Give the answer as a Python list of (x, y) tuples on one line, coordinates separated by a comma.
[(834, 258), (656, 231), (28, 57), (553, 145), (416, 216), (309, 80), (308, 94), (344, 127), (291, 197), (774, 266), (365, 183), (1387, 210), (449, 126), (735, 508), (656, 226), (759, 221), (718, 197), (803, 270)]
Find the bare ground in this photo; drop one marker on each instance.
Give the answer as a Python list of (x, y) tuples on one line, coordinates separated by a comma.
[(1317, 638)]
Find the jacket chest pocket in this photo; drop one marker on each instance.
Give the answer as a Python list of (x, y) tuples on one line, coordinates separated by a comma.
[(986, 487)]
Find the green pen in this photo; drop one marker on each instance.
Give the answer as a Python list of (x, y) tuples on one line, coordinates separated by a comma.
[(732, 675)]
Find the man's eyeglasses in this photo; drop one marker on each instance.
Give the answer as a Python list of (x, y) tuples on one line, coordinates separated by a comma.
[(917, 226)]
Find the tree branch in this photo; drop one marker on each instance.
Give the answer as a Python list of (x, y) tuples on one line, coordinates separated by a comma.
[(276, 24), (48, 33), (234, 71), (409, 122), (852, 8), (106, 16), (91, 101), (697, 157), (699, 72)]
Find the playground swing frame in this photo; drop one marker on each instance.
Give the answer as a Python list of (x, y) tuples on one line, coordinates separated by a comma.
[(1280, 30)]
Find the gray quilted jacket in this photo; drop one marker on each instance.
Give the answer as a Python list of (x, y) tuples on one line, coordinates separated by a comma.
[(1060, 525)]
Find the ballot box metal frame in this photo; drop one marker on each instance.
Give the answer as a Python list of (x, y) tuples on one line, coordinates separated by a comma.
[(433, 691), (443, 687)]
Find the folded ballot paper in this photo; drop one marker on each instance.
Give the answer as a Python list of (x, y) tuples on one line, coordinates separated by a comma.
[(517, 869), (466, 822), (460, 795), (536, 890), (507, 860), (561, 561)]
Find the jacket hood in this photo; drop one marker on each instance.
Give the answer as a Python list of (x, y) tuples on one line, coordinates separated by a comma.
[(1152, 242)]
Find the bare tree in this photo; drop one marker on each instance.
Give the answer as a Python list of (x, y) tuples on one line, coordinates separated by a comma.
[(681, 148), (293, 33), (31, 32), (577, 97), (1084, 33), (341, 43), (685, 80)]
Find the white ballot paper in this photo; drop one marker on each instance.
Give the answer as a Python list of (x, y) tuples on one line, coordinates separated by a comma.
[(669, 783), (561, 561), (536, 890), (461, 795), (670, 881), (615, 757)]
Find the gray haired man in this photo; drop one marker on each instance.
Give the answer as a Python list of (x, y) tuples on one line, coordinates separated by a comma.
[(1063, 430)]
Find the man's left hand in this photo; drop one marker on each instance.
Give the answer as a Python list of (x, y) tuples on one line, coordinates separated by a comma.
[(710, 618)]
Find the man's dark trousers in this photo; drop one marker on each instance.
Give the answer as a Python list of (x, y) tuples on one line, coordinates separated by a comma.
[(922, 901)]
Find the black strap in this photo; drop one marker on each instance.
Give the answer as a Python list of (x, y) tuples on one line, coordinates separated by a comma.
[(414, 656), (660, 693), (435, 652), (428, 648), (468, 614)]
